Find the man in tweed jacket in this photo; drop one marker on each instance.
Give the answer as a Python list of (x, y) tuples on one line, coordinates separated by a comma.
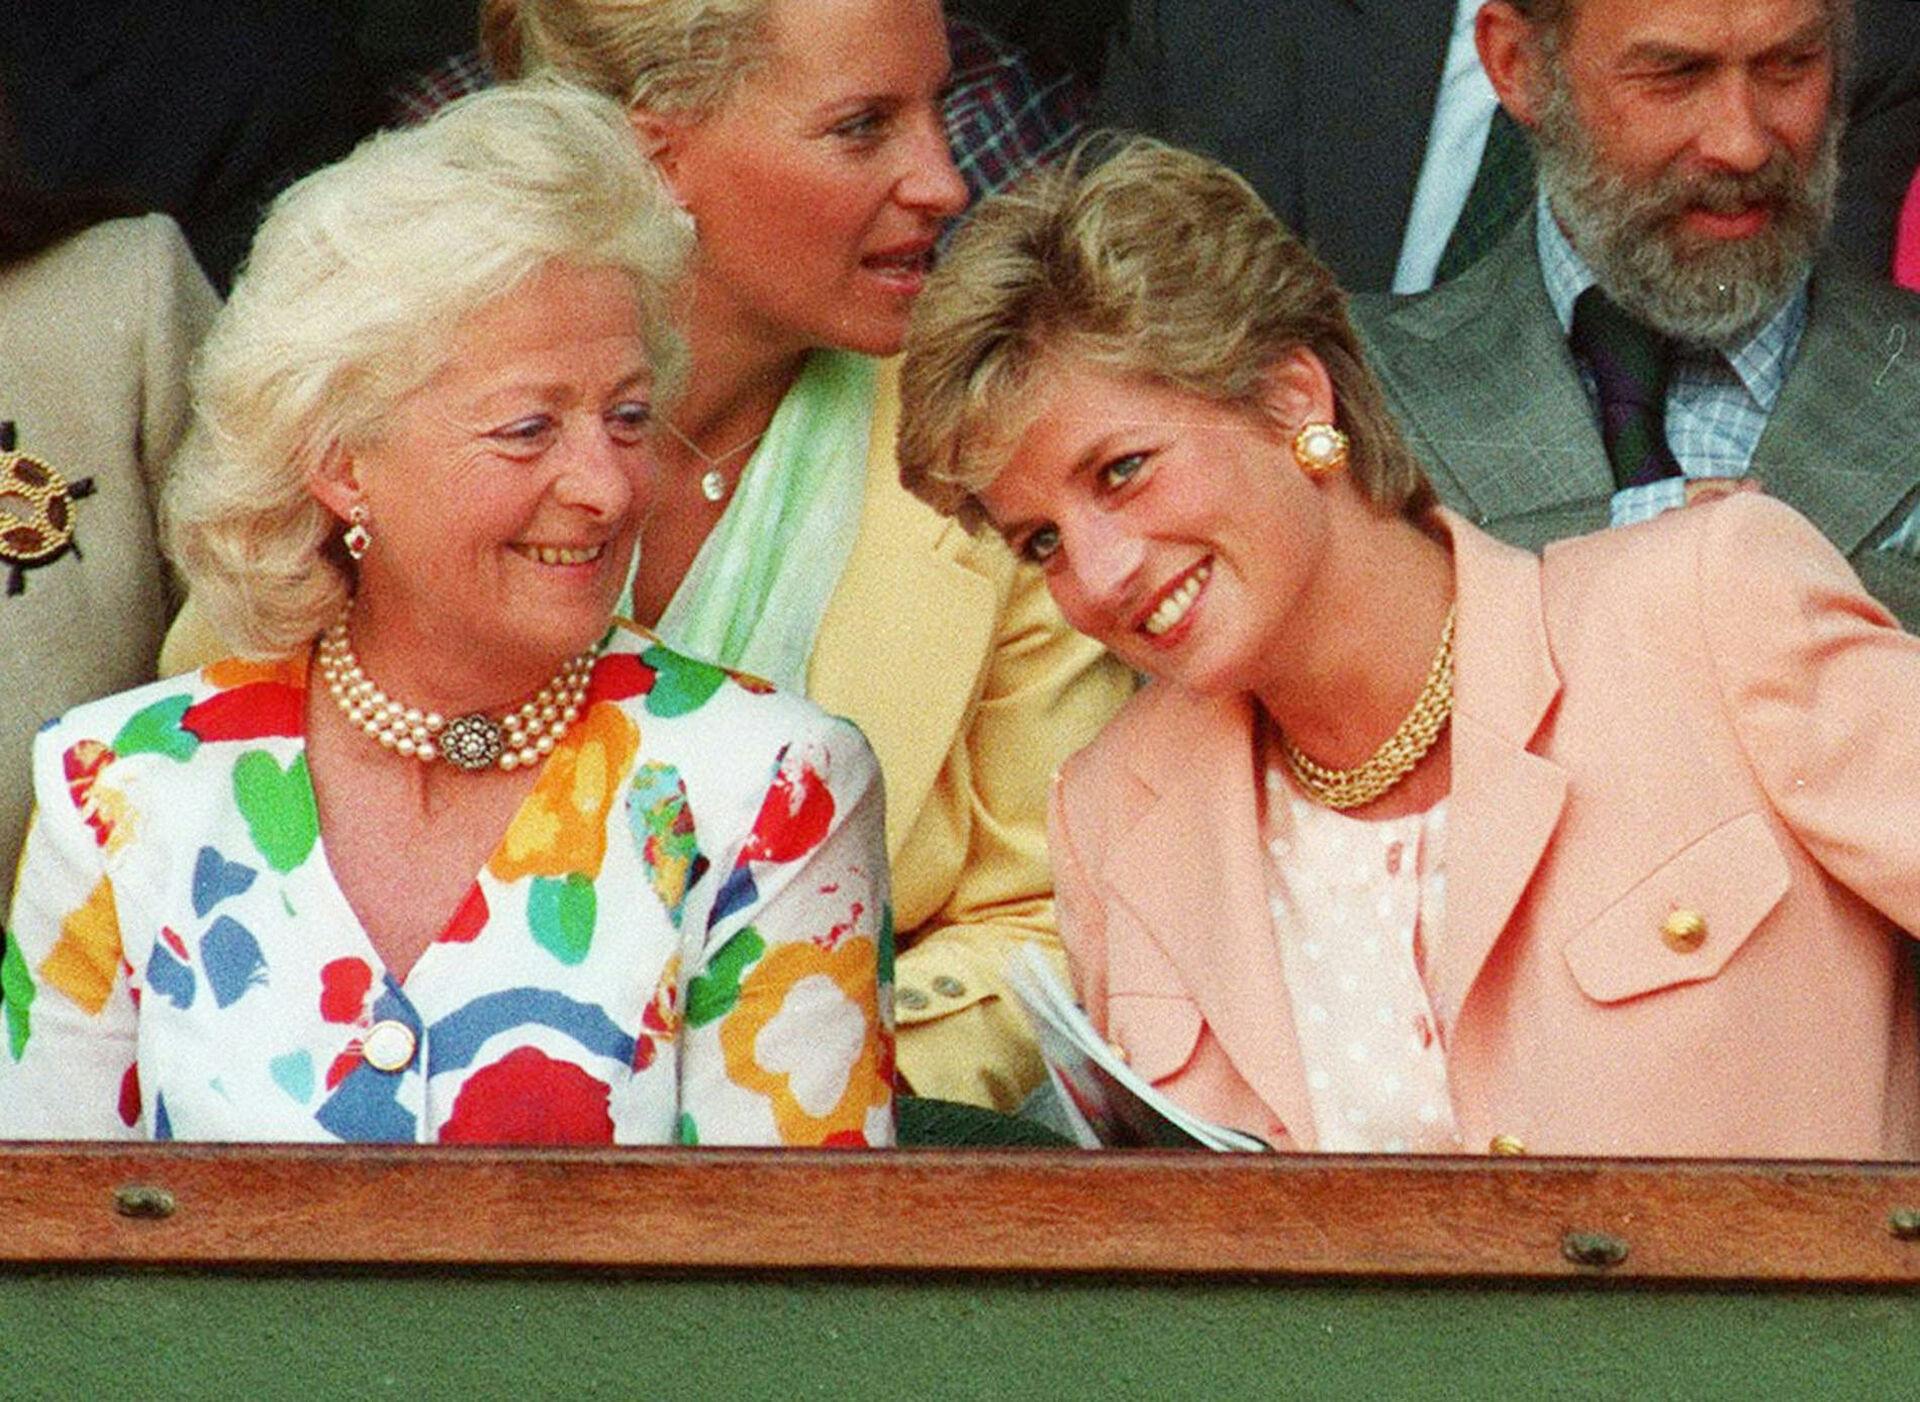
[(1686, 167)]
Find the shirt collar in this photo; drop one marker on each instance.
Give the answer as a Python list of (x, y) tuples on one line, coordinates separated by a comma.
[(1761, 361)]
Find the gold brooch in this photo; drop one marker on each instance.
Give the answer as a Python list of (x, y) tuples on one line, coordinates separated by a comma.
[(36, 515)]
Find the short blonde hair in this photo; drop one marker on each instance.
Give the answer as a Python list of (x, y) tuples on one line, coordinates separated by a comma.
[(678, 57), (350, 300), (1139, 258)]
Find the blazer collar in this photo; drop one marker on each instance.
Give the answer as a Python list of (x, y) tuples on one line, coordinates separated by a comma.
[(1451, 356), (905, 635), (1505, 801), (1192, 866)]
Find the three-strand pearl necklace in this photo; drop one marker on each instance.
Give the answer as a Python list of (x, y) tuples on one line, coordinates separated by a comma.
[(522, 736)]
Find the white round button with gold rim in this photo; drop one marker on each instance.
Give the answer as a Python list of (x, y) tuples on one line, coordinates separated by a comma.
[(388, 1046)]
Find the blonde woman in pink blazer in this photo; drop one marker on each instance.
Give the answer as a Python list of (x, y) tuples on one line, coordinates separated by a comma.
[(1419, 842)]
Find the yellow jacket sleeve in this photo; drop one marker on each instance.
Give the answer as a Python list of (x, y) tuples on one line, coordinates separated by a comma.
[(1047, 691)]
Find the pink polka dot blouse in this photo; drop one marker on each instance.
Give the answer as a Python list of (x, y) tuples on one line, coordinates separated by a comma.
[(1356, 905)]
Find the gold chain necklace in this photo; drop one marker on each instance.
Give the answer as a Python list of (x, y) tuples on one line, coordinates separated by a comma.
[(1395, 759)]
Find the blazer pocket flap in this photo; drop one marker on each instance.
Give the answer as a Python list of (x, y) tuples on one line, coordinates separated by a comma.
[(1156, 1032), (1684, 922)]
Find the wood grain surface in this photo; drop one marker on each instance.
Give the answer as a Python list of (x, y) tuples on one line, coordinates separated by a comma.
[(983, 1210)]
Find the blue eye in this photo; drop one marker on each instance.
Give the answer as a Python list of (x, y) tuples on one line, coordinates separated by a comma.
[(523, 431), (628, 421), (1040, 545), (1122, 470), (862, 126)]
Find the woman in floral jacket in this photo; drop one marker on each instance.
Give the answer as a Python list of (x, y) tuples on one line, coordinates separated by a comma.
[(464, 859)]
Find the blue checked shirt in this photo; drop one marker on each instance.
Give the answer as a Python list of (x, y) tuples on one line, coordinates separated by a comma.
[(1717, 402)]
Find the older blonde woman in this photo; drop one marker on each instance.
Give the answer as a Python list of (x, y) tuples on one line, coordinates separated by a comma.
[(803, 138), (457, 860), (1419, 842)]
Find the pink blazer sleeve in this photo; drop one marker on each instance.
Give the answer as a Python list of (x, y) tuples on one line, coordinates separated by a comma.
[(1823, 690)]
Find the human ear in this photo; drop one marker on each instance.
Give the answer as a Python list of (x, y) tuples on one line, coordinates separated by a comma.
[(1510, 54), (661, 138), (1296, 390), (334, 483)]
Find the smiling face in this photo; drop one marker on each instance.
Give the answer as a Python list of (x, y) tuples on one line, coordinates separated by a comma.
[(820, 185), (505, 495), (1176, 530), (1690, 153)]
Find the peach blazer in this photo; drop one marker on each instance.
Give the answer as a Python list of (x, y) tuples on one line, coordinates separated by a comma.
[(1705, 713)]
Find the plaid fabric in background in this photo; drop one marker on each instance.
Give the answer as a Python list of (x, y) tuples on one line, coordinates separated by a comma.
[(1005, 113), (420, 97)]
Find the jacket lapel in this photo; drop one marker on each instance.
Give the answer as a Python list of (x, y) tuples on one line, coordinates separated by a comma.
[(1192, 860), (1522, 459), (1843, 443), (1506, 801), (905, 635)]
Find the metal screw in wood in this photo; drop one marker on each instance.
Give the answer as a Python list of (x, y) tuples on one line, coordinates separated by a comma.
[(143, 1200), (1600, 1249)]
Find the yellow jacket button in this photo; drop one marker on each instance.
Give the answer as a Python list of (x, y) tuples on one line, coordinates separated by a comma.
[(388, 1046), (1505, 1146), (947, 986), (1684, 931), (910, 998)]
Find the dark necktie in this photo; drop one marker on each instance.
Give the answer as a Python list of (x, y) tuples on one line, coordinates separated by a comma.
[(1629, 362), (1502, 188)]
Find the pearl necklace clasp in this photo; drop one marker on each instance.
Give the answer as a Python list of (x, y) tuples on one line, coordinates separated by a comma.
[(523, 736)]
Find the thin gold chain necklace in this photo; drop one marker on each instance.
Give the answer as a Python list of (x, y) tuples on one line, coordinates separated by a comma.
[(1396, 758), (713, 482)]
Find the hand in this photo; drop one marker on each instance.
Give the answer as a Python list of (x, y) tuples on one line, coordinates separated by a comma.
[(1702, 489)]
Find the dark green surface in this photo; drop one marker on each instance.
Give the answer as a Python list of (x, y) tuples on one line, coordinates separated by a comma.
[(157, 1335), (924, 1123)]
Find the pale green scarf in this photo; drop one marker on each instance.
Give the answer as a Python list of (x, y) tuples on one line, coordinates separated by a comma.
[(755, 594)]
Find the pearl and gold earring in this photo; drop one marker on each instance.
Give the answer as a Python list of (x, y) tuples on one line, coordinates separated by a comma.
[(1320, 449)]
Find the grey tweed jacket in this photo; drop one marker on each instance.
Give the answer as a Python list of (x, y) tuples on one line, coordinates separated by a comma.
[(1480, 376)]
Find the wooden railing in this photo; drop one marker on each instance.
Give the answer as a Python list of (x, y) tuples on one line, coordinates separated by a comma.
[(974, 1210)]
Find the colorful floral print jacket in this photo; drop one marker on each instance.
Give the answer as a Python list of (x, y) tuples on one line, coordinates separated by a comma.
[(682, 936)]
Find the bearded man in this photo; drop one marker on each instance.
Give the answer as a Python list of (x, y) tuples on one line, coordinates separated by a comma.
[(1665, 326)]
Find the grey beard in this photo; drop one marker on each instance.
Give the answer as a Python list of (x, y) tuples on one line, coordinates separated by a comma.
[(1713, 291)]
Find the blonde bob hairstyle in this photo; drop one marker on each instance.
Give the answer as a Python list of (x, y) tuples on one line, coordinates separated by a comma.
[(1141, 259), (673, 57), (351, 300)]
